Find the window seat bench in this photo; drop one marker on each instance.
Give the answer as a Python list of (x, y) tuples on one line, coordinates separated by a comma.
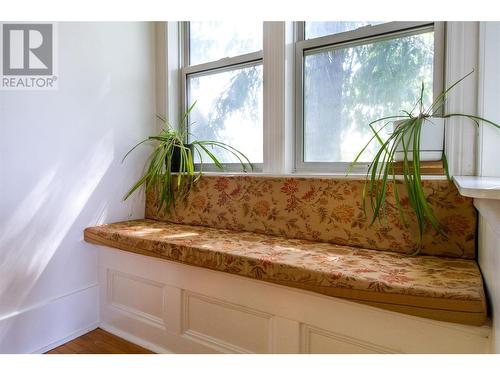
[(435, 287)]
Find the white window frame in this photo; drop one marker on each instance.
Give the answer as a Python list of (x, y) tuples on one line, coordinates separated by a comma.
[(348, 39), (207, 68), (281, 43)]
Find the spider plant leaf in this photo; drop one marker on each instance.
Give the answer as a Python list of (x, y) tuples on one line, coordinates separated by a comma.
[(441, 97), (151, 172), (395, 186), (186, 115), (161, 118), (416, 181), (382, 143), (476, 119), (381, 193), (231, 149), (189, 162), (182, 157), (136, 186), (428, 214), (445, 166), (375, 136), (240, 156), (410, 114), (407, 176), (166, 138), (374, 185), (211, 156), (200, 156), (133, 148), (384, 171), (157, 165), (397, 199), (421, 98)]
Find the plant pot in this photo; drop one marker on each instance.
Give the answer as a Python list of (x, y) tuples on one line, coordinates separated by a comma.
[(176, 157), (431, 141)]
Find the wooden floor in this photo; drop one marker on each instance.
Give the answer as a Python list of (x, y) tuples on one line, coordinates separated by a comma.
[(99, 342)]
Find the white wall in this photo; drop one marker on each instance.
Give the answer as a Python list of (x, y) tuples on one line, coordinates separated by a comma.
[(489, 141), (61, 171)]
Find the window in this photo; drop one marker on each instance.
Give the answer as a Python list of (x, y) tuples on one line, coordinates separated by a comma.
[(358, 73), (344, 75), (223, 74)]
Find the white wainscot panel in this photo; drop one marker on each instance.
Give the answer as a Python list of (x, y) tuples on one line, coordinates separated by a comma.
[(315, 340), (136, 296), (225, 326)]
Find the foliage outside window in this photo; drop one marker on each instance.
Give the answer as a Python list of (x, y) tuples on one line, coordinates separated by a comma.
[(346, 83)]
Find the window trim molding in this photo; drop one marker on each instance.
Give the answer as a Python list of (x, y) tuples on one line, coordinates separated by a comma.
[(488, 97), (355, 37), (462, 55)]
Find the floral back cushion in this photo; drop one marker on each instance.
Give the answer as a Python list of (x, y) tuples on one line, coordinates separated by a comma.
[(325, 210)]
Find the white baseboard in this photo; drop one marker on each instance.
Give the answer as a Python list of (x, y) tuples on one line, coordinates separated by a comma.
[(45, 325), (64, 340)]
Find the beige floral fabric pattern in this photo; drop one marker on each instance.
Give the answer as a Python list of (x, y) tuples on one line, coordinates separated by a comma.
[(436, 287), (325, 210)]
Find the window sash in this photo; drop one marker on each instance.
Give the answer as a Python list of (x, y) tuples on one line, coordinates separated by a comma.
[(363, 35), (224, 64), (208, 68)]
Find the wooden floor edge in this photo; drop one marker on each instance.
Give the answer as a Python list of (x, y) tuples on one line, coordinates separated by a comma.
[(99, 341)]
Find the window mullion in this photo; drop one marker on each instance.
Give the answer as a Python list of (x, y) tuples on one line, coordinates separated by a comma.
[(278, 49)]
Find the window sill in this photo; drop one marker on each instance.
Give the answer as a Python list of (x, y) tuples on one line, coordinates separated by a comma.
[(352, 176), (338, 175), (478, 187)]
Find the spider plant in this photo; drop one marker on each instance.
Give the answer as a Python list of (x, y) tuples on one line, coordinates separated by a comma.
[(170, 148), (406, 137)]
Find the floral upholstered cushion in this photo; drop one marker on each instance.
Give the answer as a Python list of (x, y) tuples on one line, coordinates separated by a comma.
[(326, 210), (448, 289)]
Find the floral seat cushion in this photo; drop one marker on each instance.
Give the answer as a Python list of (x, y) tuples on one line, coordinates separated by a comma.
[(448, 289)]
